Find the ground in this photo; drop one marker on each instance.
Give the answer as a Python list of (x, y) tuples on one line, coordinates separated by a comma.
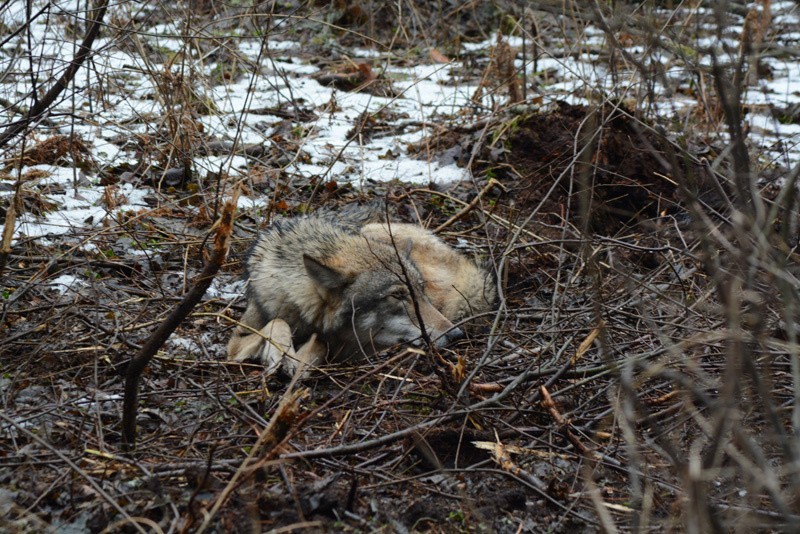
[(639, 372)]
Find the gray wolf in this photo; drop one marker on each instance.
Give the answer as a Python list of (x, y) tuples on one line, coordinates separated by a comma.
[(358, 286)]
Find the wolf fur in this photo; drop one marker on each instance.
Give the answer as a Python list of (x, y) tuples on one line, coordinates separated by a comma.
[(360, 286)]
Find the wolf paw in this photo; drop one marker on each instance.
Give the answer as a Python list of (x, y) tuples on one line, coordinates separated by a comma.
[(273, 347), (277, 347), (310, 354)]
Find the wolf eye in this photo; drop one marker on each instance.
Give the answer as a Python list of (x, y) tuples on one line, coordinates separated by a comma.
[(400, 293)]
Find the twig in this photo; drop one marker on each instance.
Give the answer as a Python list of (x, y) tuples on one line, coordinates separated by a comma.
[(179, 313), (547, 401), (503, 459), (469, 207)]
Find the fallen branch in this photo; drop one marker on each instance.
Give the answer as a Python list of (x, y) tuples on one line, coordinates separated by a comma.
[(224, 227)]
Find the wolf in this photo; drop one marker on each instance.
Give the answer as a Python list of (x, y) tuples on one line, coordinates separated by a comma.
[(354, 287)]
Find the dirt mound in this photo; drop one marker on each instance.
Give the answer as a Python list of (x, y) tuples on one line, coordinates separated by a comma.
[(602, 151)]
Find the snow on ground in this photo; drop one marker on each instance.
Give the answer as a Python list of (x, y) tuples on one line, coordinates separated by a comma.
[(79, 206)]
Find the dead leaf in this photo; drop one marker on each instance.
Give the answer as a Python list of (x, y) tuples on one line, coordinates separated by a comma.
[(438, 57)]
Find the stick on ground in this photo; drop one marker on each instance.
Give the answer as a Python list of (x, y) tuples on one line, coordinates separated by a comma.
[(224, 227)]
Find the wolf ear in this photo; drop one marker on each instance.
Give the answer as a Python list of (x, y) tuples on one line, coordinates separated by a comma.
[(330, 279)]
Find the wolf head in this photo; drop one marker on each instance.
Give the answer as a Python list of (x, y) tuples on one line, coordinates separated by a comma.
[(378, 307)]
